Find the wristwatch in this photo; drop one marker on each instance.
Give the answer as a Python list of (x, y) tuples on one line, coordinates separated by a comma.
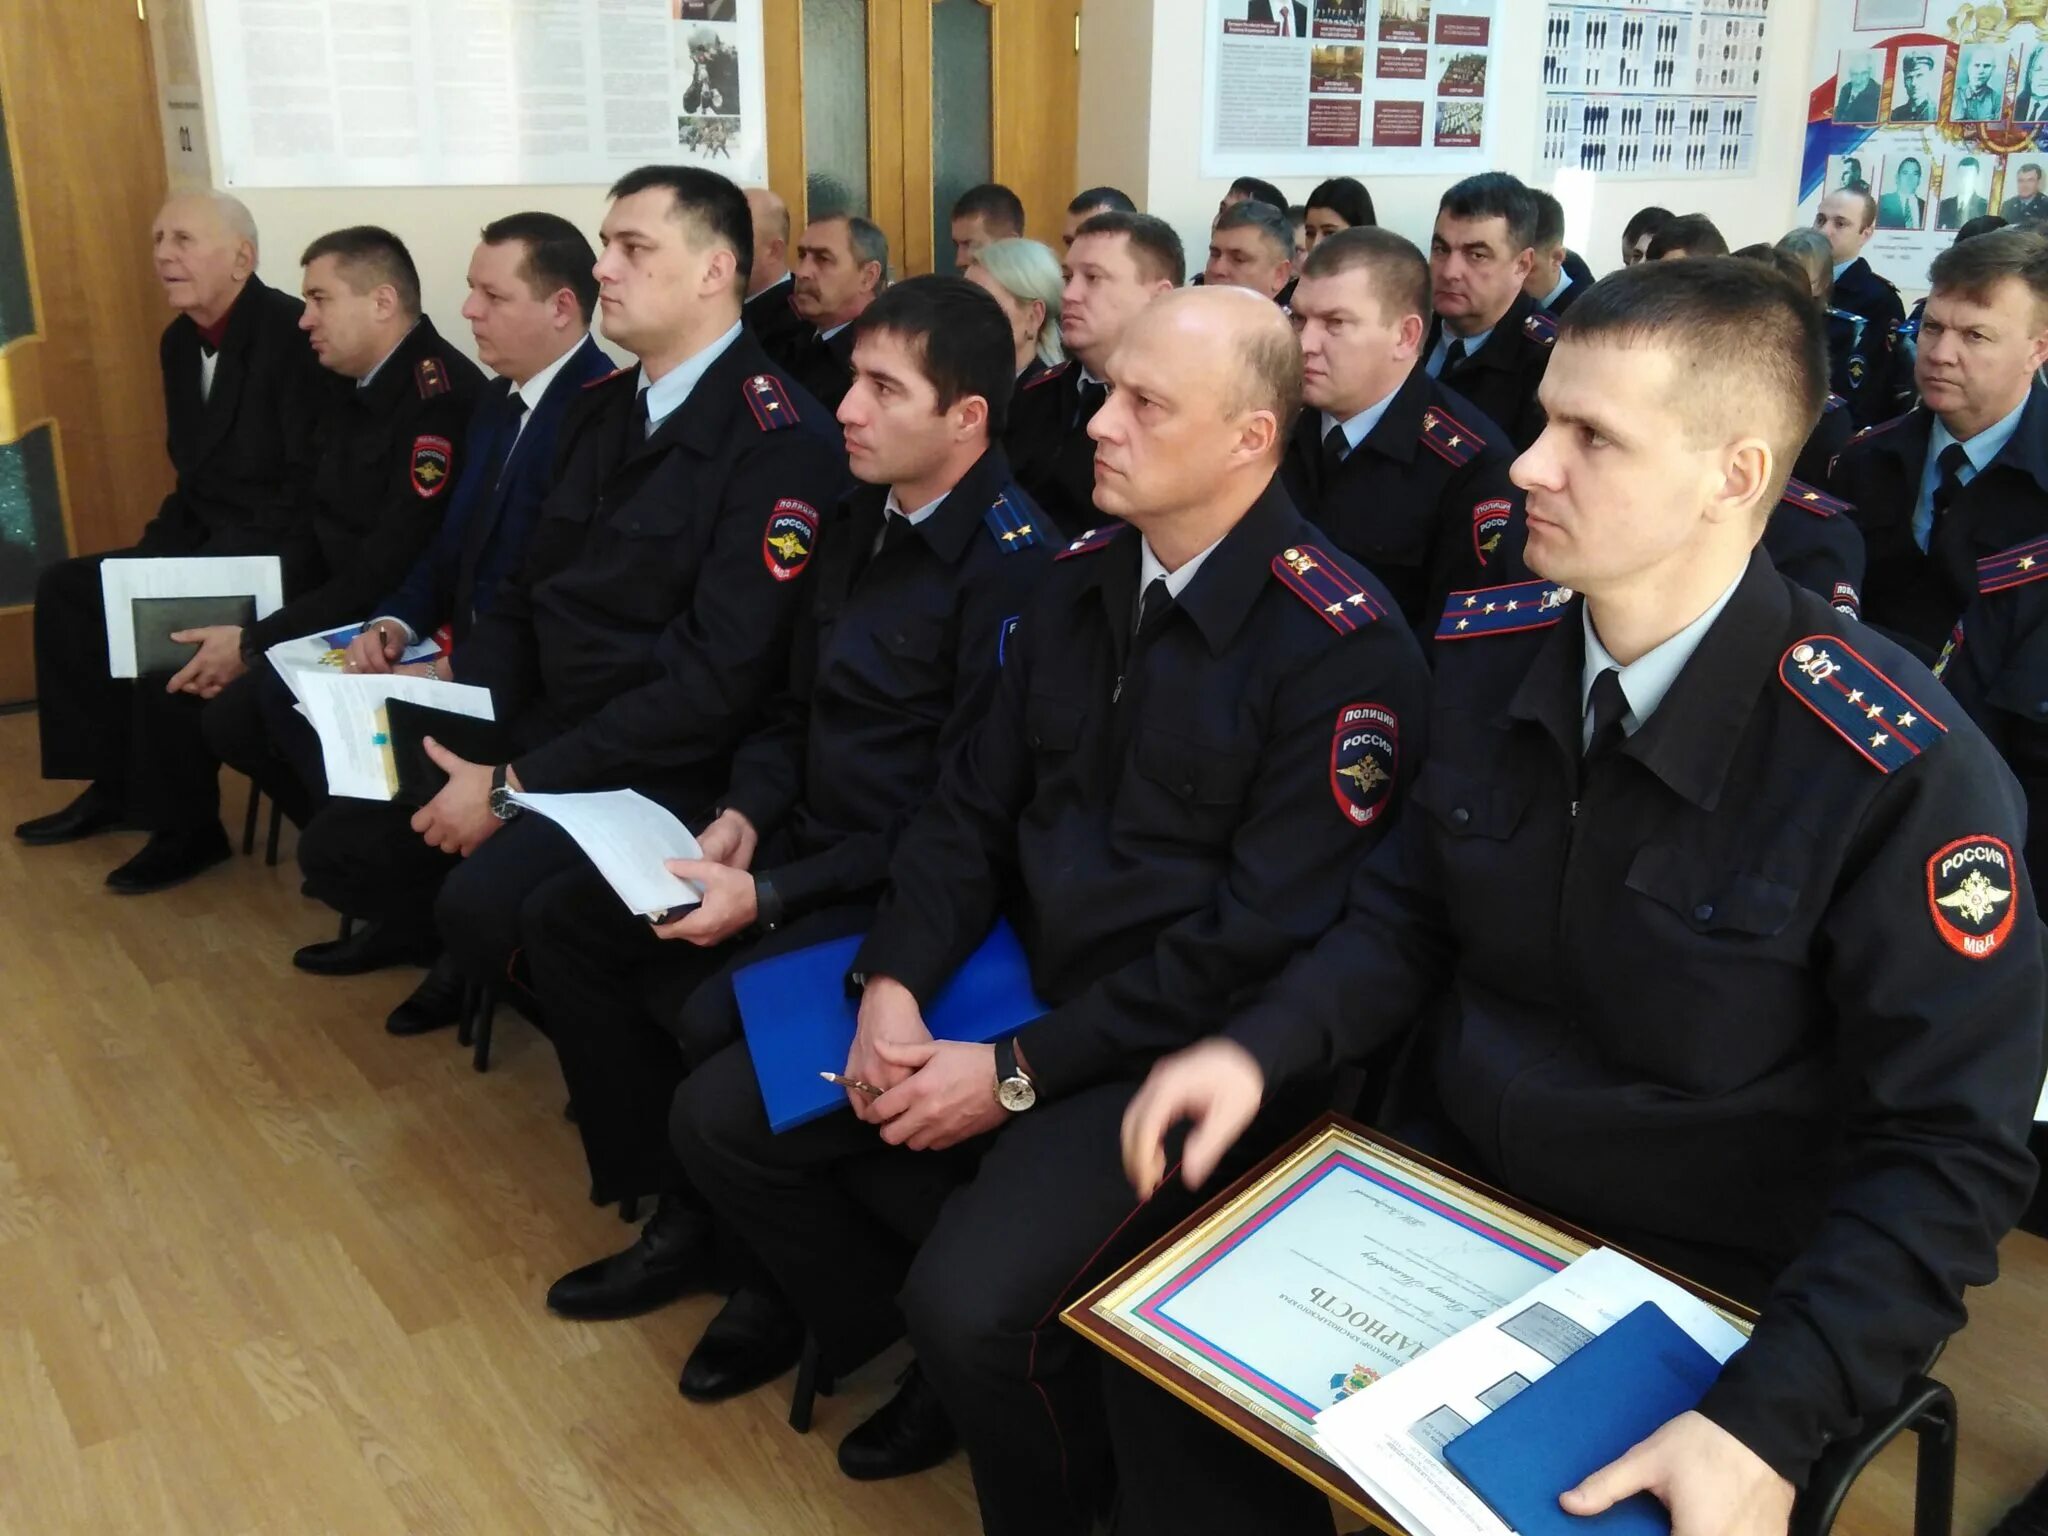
[(501, 794), (1014, 1089), (767, 905)]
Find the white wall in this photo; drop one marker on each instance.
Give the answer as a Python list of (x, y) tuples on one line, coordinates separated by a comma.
[(1761, 206)]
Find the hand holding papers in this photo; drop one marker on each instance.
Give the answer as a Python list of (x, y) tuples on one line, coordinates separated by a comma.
[(123, 582), (347, 709), (627, 836)]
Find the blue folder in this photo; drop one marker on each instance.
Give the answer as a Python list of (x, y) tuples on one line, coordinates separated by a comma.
[(1591, 1408), (800, 1021)]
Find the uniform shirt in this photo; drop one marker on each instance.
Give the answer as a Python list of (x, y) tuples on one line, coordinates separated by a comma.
[(1502, 376), (1357, 428), (1151, 569), (895, 659), (651, 622), (1444, 341), (243, 449), (1421, 500), (1734, 996), (665, 395), (389, 450), (1916, 594), (1978, 451), (1048, 445), (535, 389), (1165, 816)]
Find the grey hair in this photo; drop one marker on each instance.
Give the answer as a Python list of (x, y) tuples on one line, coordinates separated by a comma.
[(1028, 270), (869, 244), (235, 214)]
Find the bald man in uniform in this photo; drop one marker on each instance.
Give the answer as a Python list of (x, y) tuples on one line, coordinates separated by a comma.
[(770, 310)]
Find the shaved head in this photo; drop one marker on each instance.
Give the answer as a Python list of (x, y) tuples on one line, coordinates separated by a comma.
[(770, 215), (1250, 341)]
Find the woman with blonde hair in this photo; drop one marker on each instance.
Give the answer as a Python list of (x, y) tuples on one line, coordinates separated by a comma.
[(1024, 277)]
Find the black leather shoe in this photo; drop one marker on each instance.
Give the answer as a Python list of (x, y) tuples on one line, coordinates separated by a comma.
[(754, 1340), (434, 1004), (168, 859), (371, 947), (95, 810), (671, 1258), (2029, 1517), (909, 1433)]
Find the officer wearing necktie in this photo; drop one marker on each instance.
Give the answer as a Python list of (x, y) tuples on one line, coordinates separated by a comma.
[(1118, 263), (1796, 856), (1490, 341), (842, 264), (1404, 474)]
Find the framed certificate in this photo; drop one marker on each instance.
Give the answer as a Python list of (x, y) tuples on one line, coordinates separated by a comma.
[(1339, 1258)]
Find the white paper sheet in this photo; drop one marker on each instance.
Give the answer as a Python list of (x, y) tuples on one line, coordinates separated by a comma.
[(122, 581), (327, 650), (345, 709), (627, 836), (1390, 1435)]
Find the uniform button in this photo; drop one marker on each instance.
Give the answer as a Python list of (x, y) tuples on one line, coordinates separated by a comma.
[(1461, 816), (1703, 912)]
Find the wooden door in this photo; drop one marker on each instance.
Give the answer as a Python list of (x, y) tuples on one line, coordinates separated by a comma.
[(892, 107), (82, 463)]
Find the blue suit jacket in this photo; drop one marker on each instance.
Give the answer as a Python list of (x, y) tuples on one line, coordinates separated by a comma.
[(491, 512)]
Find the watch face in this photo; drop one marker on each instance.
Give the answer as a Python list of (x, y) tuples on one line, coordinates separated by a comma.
[(1016, 1093)]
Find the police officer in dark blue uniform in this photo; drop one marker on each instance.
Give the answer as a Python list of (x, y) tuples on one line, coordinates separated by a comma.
[(1490, 340), (1205, 717), (1700, 796), (1405, 475), (1861, 353), (920, 575)]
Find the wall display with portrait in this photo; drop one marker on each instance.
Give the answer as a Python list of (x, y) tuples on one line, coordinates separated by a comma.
[(1938, 114), (1338, 87), (327, 93), (1656, 89)]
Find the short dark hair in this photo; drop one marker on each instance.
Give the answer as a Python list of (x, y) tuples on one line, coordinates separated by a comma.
[(995, 204), (1154, 246), (1904, 161), (1273, 223), (1748, 343), (1494, 195), (1645, 221), (1692, 233), (1347, 198), (959, 335), (1549, 221), (1104, 199), (2030, 165), (557, 255), (712, 202), (1969, 160), (1260, 192), (369, 256), (1781, 261), (1400, 272), (1973, 268), (1983, 224)]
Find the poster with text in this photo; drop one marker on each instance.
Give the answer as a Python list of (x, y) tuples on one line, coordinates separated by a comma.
[(1937, 110), (325, 93), (1660, 89), (1340, 87)]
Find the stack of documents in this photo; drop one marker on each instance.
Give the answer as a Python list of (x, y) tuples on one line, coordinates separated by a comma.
[(260, 577), (627, 836), (328, 651), (346, 709), (1401, 1436)]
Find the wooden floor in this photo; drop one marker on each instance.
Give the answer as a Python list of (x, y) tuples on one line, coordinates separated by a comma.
[(265, 1269)]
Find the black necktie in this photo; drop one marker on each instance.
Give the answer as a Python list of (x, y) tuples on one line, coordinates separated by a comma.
[(1335, 446), (1453, 355), (1952, 461), (1093, 393), (1609, 705), (1152, 605), (646, 416), (515, 413)]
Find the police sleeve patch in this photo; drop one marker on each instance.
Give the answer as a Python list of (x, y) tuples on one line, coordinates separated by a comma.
[(432, 457), (787, 542), (1848, 601), (1365, 756), (1003, 634), (1970, 888), (1489, 522), (1877, 717), (1948, 651)]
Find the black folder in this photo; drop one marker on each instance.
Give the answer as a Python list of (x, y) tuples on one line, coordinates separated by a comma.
[(156, 619), (419, 777)]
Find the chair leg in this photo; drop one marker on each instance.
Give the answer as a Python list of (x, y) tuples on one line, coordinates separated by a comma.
[(1934, 1478), (804, 1396), (486, 1011), (270, 841), (249, 820)]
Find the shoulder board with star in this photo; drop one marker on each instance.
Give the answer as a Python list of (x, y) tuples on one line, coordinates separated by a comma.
[(1326, 586), (769, 402), (1541, 328), (1508, 610), (1873, 714), (430, 376), (2013, 567), (603, 379), (1877, 429), (1834, 403), (1011, 522), (1809, 499), (1048, 376), (1092, 540), (1449, 437)]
